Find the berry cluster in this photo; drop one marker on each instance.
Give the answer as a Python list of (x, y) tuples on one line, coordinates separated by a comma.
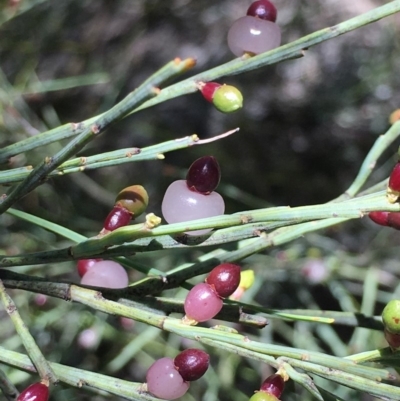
[(35, 392), (270, 390), (391, 323), (194, 198), (256, 32), (130, 203), (204, 300), (169, 378)]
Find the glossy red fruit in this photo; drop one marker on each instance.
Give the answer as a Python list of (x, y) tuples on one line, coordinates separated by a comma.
[(118, 217), (393, 220), (224, 278), (84, 265), (203, 175), (393, 190), (35, 392), (208, 89), (380, 218), (192, 363), (263, 9), (273, 385)]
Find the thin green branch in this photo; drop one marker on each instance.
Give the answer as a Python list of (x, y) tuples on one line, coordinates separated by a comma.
[(114, 158), (145, 91), (82, 378), (42, 366), (7, 387), (292, 50)]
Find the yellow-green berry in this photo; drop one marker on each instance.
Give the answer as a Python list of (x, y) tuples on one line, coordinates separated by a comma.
[(263, 396), (227, 99), (134, 199), (391, 316)]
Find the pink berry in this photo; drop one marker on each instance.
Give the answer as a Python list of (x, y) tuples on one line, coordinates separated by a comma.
[(380, 218), (253, 35), (202, 303), (203, 175), (208, 89), (35, 392), (393, 190), (164, 381), (273, 385), (84, 265), (224, 278), (118, 217), (180, 204), (107, 274), (192, 364), (263, 9), (393, 220)]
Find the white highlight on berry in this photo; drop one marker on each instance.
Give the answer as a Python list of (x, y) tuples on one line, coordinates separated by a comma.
[(107, 274)]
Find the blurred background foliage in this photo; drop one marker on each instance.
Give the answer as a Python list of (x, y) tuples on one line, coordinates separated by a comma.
[(305, 128)]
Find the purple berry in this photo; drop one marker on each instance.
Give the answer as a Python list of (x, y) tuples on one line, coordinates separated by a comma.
[(164, 381), (118, 217), (192, 364), (107, 274), (263, 9), (84, 265), (180, 204), (253, 35), (202, 303), (35, 392), (224, 278), (273, 385), (203, 175)]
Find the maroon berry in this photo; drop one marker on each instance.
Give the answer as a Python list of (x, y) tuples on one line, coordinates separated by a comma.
[(118, 217), (224, 278), (35, 392), (203, 175), (192, 364), (273, 385), (202, 303), (208, 89), (263, 9), (84, 265), (380, 218), (393, 220), (393, 190)]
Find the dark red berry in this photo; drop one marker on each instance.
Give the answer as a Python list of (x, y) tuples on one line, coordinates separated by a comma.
[(224, 278), (203, 175), (380, 218), (393, 220), (273, 385), (263, 9), (192, 364), (35, 392), (118, 217), (84, 265), (393, 190), (208, 89)]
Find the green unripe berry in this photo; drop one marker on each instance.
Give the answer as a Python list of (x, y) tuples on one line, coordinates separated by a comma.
[(263, 396), (134, 199), (391, 316), (227, 99)]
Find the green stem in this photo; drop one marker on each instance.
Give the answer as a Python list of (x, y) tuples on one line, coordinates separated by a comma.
[(42, 366), (7, 387)]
